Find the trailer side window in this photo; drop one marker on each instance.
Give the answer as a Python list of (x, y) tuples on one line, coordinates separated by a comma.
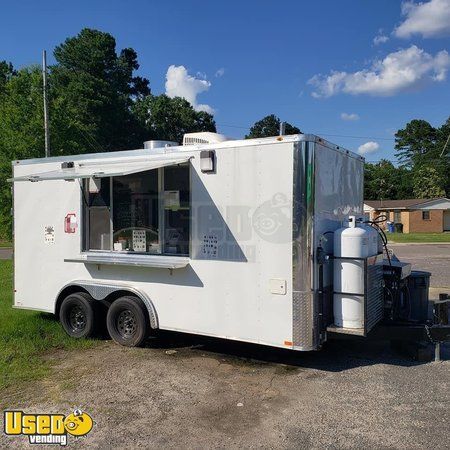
[(98, 216), (144, 212), (135, 212), (176, 210)]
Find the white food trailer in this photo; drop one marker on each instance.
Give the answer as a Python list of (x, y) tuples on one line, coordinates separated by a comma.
[(225, 238)]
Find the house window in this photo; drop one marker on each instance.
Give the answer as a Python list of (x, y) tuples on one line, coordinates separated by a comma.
[(426, 215), (145, 212), (397, 216)]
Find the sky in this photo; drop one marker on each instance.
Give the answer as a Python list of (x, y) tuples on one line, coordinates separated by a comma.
[(351, 71)]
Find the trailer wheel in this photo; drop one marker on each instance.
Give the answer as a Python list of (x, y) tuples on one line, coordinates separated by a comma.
[(77, 315), (127, 321)]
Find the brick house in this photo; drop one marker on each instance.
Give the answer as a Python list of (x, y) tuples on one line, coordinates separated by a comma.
[(425, 215)]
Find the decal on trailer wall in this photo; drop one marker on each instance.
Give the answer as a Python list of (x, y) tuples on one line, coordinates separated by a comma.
[(210, 246), (70, 223), (49, 234)]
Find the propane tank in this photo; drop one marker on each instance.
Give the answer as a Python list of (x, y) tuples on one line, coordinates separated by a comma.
[(373, 237), (351, 241)]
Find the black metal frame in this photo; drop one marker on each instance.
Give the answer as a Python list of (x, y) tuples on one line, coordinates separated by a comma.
[(366, 283), (434, 333)]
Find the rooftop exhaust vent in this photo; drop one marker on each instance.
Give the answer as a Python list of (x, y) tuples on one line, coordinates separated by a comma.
[(204, 137), (151, 145)]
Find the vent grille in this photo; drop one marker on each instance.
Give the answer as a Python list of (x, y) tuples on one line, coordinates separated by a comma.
[(374, 291), (204, 137), (193, 140)]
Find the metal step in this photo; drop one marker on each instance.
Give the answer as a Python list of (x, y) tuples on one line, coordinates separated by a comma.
[(340, 330)]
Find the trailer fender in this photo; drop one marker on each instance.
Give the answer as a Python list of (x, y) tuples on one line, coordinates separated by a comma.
[(100, 291)]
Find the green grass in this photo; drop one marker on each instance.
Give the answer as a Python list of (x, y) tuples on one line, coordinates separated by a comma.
[(26, 337), (418, 237), (5, 243)]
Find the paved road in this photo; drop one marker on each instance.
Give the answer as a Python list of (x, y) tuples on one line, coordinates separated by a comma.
[(5, 253), (434, 258)]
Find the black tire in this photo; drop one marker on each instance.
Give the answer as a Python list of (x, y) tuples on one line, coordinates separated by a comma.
[(127, 321), (78, 315)]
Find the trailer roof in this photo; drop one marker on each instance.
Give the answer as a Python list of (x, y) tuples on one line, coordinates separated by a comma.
[(193, 148)]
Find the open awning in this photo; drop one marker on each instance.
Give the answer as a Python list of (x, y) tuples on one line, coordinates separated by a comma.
[(107, 169)]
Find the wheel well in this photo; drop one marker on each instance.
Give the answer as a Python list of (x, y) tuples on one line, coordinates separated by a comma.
[(122, 293), (107, 300), (64, 293), (152, 321), (110, 298)]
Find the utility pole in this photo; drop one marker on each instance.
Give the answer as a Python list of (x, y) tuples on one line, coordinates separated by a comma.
[(46, 129), (282, 128), (445, 146)]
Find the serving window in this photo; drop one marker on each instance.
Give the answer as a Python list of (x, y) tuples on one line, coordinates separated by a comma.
[(146, 212)]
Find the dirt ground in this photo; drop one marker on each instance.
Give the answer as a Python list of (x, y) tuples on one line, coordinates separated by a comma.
[(187, 392), (182, 391)]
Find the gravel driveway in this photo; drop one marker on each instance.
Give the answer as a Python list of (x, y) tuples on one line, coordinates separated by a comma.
[(191, 392), (186, 392)]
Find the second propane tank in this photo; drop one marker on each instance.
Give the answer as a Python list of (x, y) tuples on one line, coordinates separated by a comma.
[(352, 241), (373, 236)]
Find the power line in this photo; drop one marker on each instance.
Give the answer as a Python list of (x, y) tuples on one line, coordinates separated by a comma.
[(317, 132), (357, 137), (233, 126), (445, 146)]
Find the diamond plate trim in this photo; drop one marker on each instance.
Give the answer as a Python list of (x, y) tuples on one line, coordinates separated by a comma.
[(100, 291), (302, 320)]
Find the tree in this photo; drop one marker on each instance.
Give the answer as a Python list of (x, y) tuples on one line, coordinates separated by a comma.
[(428, 183), (443, 149), (92, 91), (419, 147), (414, 143), (21, 124), (6, 72), (384, 181), (169, 119), (270, 126)]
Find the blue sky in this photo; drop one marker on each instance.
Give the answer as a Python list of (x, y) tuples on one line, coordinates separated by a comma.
[(247, 59)]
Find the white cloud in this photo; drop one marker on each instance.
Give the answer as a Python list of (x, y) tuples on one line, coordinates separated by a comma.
[(349, 117), (380, 39), (430, 19), (398, 71), (180, 84), (219, 72), (368, 147)]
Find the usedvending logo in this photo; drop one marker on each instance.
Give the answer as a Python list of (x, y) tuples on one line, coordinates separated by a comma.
[(47, 428)]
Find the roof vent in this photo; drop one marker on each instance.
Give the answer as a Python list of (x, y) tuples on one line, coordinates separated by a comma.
[(151, 145), (204, 137)]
